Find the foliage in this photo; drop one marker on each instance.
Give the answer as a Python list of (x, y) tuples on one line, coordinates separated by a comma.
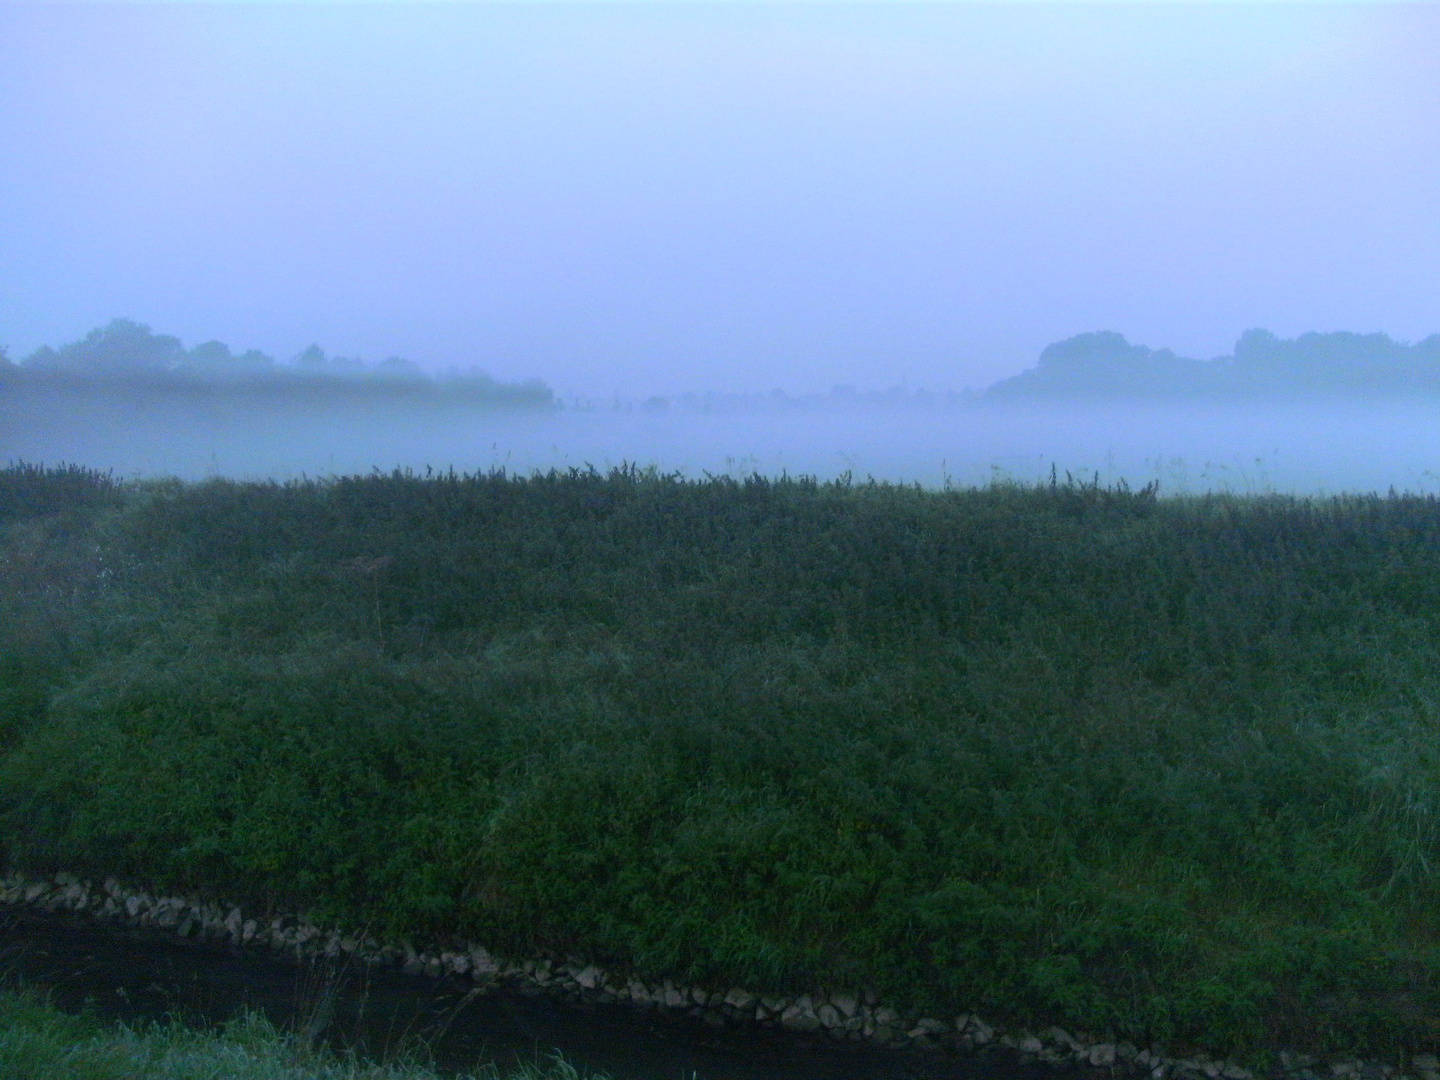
[(1105, 364), (38, 1042), (1164, 768), (128, 357)]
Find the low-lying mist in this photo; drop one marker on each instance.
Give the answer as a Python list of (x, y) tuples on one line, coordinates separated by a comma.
[(1322, 413), (1300, 447)]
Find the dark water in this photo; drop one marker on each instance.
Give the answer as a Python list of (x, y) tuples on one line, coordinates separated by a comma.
[(138, 975)]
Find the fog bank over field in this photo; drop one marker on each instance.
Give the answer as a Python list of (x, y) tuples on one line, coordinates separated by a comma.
[(1321, 413), (1284, 447)]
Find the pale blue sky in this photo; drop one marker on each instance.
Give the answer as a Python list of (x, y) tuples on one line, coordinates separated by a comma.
[(661, 197)]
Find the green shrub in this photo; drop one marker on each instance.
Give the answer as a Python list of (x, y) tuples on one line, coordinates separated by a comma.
[(1165, 768)]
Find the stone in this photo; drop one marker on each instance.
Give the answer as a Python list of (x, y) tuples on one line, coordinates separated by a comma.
[(740, 999), (830, 1017), (482, 964), (1060, 1037), (672, 997), (845, 1003), (699, 996), (1126, 1052), (980, 1031), (589, 977), (927, 1026), (1102, 1055), (1029, 1044), (883, 1033), (800, 1016), (1235, 1072)]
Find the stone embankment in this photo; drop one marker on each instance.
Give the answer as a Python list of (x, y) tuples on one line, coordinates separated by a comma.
[(841, 1016)]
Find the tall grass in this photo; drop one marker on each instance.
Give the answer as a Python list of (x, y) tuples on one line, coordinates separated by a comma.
[(38, 1042), (1165, 768)]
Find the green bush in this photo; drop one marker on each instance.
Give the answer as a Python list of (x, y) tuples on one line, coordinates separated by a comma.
[(38, 1042), (1165, 768)]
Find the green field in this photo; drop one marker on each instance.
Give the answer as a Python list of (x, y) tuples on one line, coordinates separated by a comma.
[(1160, 768)]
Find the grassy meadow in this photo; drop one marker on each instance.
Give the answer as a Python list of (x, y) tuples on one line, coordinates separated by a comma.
[(1163, 768)]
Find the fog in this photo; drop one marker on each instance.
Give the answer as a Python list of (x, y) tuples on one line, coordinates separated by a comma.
[(687, 201), (1302, 447), (661, 198)]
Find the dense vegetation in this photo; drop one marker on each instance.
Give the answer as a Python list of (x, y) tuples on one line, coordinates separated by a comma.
[(1165, 768), (38, 1042), (1342, 364), (129, 359)]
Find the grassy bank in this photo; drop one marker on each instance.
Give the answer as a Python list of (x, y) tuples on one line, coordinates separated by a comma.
[(38, 1042), (1162, 768)]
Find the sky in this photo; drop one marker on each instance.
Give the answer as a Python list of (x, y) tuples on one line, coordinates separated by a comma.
[(662, 197)]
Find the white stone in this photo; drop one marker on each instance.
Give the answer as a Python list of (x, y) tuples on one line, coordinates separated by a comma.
[(740, 999), (800, 1016)]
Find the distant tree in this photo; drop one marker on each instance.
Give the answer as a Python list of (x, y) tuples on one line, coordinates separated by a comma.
[(211, 352), (1255, 345), (396, 367), (312, 357), (1099, 347), (121, 348)]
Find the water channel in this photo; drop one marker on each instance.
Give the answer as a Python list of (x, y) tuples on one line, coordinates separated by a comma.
[(141, 975)]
